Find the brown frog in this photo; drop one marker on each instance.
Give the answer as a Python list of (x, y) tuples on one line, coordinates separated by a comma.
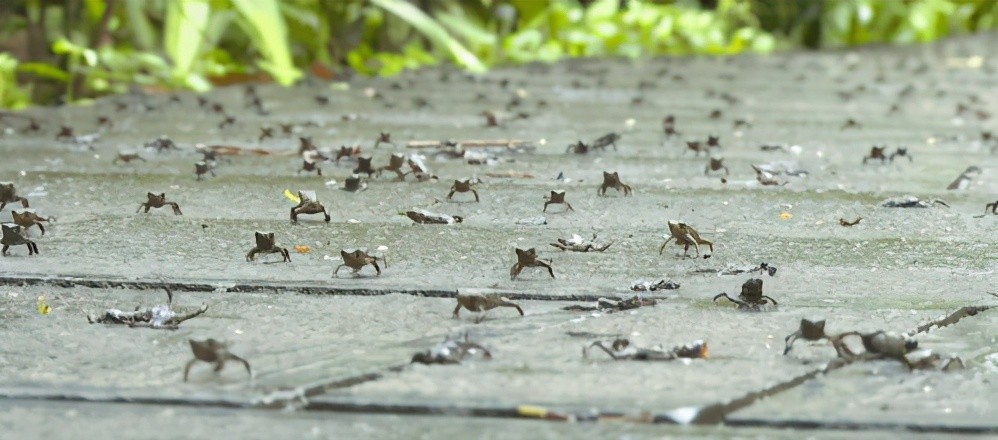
[(127, 157), (685, 236), (556, 197), (751, 297), (213, 352), (266, 244), (311, 159), (13, 235), (877, 153), (27, 218), (158, 201), (716, 164), (612, 180), (308, 203), (8, 194), (462, 186), (528, 258), (482, 303), (395, 164), (357, 259)]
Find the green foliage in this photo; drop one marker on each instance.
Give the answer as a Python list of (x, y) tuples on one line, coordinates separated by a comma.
[(195, 44), (11, 96)]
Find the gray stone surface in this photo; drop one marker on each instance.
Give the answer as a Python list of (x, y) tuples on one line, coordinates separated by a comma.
[(895, 270)]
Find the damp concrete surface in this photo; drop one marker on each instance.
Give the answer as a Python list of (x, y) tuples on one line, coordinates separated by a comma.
[(895, 270)]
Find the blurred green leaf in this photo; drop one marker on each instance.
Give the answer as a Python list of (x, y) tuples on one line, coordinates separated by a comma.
[(43, 70), (185, 25), (266, 28), (432, 30)]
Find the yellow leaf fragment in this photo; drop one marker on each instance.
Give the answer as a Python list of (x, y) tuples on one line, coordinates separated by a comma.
[(43, 309)]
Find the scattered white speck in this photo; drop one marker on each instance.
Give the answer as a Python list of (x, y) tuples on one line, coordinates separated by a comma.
[(685, 415), (543, 141), (174, 186), (96, 156), (947, 410), (331, 182), (630, 123), (927, 389), (353, 220), (238, 332), (382, 248)]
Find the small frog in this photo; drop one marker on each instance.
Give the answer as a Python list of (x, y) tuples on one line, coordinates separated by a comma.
[(716, 164), (418, 168), (311, 159), (13, 235), (354, 183), (751, 297), (851, 123), (808, 331), (686, 236), (357, 259), (482, 303), (127, 157), (528, 258), (27, 218), (384, 138), (669, 126), (462, 186), (609, 139), (847, 223), (8, 194), (347, 152), (697, 147), (266, 244), (201, 168), (162, 144), (556, 197), (901, 152), (158, 201), (395, 163), (213, 352), (308, 203), (364, 166), (765, 177), (578, 148), (877, 153), (612, 180)]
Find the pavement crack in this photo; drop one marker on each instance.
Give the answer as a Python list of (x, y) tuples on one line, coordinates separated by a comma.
[(68, 282)]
